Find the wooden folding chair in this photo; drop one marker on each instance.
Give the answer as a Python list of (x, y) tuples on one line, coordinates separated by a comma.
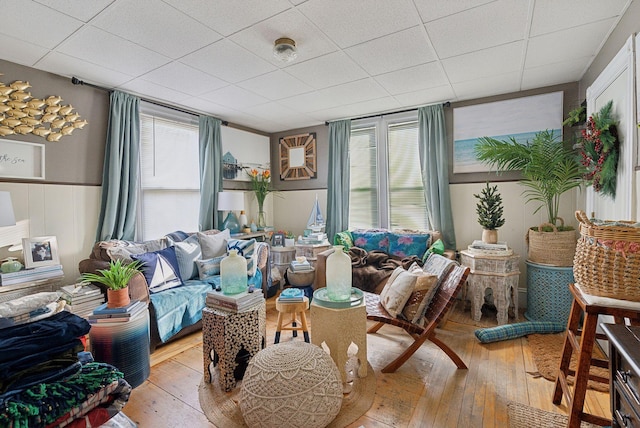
[(440, 304)]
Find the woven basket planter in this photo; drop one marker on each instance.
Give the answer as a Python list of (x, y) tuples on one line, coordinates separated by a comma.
[(555, 248), (607, 260)]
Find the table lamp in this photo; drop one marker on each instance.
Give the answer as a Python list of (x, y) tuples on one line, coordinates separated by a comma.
[(231, 201)]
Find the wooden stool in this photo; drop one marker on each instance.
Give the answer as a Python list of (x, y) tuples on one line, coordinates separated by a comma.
[(619, 310), (296, 309)]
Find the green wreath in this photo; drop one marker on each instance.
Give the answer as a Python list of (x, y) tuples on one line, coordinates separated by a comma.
[(600, 150)]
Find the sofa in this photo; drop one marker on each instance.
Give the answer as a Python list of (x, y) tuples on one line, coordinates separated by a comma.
[(177, 299), (375, 253)]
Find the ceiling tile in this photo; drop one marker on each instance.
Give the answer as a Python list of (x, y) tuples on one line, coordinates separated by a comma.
[(276, 85), (349, 22), (487, 86), (393, 52), (201, 105), (490, 25), (160, 93), (277, 112), (379, 105), (552, 15), (228, 61), (485, 63), (553, 74), (157, 26), (260, 38), (354, 92), (101, 48), (413, 79), (20, 51), (82, 10), (328, 70), (431, 10), (35, 23), (183, 78), (234, 97), (311, 101), (566, 44), (227, 17), (425, 97), (66, 65)]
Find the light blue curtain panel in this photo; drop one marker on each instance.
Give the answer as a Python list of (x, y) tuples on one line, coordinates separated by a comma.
[(338, 178), (432, 144), (210, 160), (120, 172)]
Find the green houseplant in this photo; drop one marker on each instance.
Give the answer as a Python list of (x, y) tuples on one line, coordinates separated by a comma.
[(116, 278), (489, 209), (549, 169)]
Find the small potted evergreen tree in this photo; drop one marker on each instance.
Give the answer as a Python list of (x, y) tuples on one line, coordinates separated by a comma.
[(489, 209)]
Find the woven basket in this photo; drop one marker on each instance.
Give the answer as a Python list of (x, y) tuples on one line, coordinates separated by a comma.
[(555, 248), (607, 260)]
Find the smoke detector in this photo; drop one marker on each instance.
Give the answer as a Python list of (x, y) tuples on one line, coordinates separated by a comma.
[(285, 49)]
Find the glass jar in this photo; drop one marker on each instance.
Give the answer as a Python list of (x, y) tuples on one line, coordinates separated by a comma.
[(233, 273), (338, 275)]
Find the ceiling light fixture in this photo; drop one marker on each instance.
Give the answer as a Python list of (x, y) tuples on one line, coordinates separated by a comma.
[(285, 49)]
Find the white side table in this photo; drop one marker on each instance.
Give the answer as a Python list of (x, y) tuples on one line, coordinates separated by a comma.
[(499, 273)]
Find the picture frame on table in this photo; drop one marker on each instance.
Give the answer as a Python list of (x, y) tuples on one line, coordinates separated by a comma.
[(277, 240), (40, 251)]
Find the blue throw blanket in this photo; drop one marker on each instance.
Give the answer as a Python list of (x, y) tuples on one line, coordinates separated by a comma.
[(181, 307)]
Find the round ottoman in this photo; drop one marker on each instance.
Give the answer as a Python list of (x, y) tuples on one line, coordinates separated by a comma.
[(293, 384)]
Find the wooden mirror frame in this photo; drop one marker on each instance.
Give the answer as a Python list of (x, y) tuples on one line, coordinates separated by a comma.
[(289, 148)]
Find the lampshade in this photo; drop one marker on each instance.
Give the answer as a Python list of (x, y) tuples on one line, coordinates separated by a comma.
[(230, 201), (285, 49), (7, 218)]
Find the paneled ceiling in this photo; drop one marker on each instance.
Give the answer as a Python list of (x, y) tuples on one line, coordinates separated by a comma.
[(355, 57)]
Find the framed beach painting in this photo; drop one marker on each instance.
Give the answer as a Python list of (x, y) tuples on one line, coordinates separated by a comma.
[(519, 118)]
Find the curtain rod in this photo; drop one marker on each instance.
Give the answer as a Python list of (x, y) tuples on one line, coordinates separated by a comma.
[(446, 104), (77, 81)]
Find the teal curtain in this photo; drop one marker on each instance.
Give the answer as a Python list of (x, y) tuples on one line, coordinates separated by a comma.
[(432, 142), (338, 178), (210, 160), (120, 171)]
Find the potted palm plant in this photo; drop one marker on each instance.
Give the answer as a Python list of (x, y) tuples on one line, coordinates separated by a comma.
[(489, 209), (549, 169), (116, 278)]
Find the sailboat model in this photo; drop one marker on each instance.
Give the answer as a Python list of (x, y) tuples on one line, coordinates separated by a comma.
[(316, 221)]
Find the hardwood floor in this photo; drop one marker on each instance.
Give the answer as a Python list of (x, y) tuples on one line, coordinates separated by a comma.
[(428, 391)]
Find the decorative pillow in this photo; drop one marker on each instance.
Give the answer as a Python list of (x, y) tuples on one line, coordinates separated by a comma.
[(247, 249), (437, 248), (209, 267), (123, 250), (160, 269), (423, 292), (399, 291), (344, 238), (187, 252), (177, 236), (406, 245), (371, 240), (397, 271), (214, 245), (513, 331)]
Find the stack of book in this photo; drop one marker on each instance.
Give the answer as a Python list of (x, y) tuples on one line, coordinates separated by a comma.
[(300, 265), (497, 249), (235, 302), (82, 298), (291, 295), (30, 275), (126, 313)]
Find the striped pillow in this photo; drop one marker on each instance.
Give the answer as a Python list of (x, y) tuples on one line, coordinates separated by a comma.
[(209, 267), (247, 249)]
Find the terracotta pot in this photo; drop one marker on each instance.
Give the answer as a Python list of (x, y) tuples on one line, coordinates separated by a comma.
[(490, 236), (118, 298)]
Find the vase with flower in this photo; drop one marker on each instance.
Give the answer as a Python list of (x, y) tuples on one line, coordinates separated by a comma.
[(261, 184)]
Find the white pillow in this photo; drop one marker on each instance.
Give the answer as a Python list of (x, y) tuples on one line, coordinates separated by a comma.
[(425, 288), (214, 245), (398, 292), (397, 271), (187, 252)]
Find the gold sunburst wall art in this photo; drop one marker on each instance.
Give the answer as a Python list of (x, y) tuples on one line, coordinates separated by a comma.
[(49, 118), (298, 157)]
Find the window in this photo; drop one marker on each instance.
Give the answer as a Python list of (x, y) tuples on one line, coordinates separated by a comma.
[(385, 180), (169, 173)]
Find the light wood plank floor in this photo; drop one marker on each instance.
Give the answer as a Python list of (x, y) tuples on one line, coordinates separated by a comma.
[(428, 391)]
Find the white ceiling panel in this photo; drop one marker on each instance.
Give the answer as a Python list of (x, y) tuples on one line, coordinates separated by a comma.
[(234, 97), (183, 78), (487, 86), (553, 15), (329, 70), (426, 96), (431, 10), (312, 101), (82, 10), (21, 51), (556, 73), (155, 25), (69, 66), (35, 23), (413, 79), (355, 92), (276, 85), (479, 28), (485, 63), (349, 22), (101, 48), (228, 61), (276, 111), (140, 87), (393, 52), (260, 38), (227, 17)]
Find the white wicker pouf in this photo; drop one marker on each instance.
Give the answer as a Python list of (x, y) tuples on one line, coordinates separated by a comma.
[(292, 384)]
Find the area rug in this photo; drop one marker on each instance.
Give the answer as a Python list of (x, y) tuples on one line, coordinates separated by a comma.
[(523, 416), (546, 350), (223, 409)]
